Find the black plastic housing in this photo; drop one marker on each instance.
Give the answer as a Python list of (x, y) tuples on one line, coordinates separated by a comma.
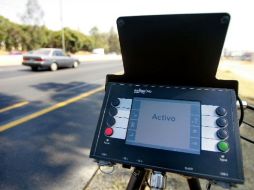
[(181, 49)]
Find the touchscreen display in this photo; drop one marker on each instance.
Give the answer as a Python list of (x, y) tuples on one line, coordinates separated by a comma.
[(165, 124)]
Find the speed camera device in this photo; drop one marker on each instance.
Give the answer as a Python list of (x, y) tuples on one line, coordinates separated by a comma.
[(168, 112)]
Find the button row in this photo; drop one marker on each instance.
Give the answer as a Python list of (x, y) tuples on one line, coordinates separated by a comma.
[(111, 120), (214, 128), (222, 133)]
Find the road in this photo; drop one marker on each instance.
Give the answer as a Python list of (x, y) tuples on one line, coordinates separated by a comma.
[(51, 149)]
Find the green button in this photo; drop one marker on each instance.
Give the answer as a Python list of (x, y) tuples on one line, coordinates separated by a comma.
[(223, 146)]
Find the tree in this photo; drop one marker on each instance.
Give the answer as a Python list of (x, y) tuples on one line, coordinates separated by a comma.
[(94, 31), (55, 39), (33, 14), (28, 37), (113, 41), (76, 41), (99, 40), (3, 30), (33, 20), (11, 34)]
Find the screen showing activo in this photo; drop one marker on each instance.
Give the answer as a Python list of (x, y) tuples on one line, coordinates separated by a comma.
[(165, 124)]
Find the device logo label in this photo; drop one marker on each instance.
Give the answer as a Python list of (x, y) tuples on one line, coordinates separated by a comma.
[(142, 91)]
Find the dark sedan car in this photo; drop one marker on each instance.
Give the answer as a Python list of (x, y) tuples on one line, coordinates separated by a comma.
[(50, 58)]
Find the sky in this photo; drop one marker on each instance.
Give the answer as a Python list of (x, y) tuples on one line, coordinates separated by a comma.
[(82, 15)]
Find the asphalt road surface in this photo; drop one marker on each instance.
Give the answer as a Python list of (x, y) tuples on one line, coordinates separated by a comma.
[(45, 130)]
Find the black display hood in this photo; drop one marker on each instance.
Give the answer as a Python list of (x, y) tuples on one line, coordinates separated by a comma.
[(181, 49)]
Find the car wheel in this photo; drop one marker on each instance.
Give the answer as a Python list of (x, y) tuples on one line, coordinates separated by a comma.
[(75, 64), (53, 67), (34, 68)]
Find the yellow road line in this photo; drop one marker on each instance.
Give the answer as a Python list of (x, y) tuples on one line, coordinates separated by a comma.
[(51, 108), (20, 104)]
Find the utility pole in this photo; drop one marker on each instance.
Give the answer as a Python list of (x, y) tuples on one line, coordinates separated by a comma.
[(62, 27)]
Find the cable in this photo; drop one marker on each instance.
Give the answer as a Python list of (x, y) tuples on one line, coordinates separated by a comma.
[(91, 179), (208, 186), (248, 124), (242, 111), (248, 140), (250, 107), (241, 119)]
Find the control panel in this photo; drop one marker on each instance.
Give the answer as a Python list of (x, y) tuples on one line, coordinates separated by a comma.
[(188, 130)]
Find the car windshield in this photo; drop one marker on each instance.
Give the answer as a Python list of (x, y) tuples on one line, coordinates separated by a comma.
[(40, 52)]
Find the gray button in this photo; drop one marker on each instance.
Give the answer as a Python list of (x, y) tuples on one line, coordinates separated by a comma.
[(195, 132), (221, 122), (136, 105), (131, 135), (221, 111), (115, 102), (132, 125), (195, 120), (111, 121), (222, 133), (194, 143), (134, 114), (113, 111)]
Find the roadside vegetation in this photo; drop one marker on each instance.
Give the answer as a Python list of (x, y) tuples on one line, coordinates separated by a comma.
[(32, 34), (24, 37)]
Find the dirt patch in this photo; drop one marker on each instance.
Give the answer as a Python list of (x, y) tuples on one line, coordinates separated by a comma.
[(246, 85)]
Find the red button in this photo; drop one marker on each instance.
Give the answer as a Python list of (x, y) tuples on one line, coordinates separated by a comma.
[(108, 131)]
